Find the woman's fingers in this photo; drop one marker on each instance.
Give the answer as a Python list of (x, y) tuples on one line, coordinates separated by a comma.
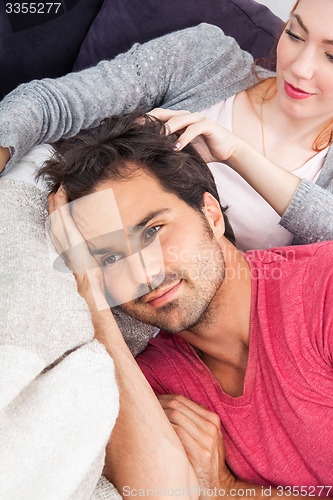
[(165, 114), (176, 120), (171, 119), (181, 121), (190, 133), (188, 125), (213, 142)]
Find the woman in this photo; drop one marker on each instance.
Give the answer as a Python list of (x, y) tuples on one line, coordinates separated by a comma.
[(176, 72), (293, 109)]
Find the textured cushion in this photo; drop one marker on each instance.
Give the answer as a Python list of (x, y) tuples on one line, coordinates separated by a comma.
[(41, 310), (41, 45), (121, 23), (58, 393)]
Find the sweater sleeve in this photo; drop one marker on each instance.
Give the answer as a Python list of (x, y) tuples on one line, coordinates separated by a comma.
[(191, 69), (309, 217)]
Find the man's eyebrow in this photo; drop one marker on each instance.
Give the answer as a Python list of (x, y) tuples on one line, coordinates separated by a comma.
[(300, 22), (143, 222), (131, 230), (101, 251)]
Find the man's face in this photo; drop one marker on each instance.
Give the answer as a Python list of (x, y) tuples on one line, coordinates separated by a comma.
[(159, 257)]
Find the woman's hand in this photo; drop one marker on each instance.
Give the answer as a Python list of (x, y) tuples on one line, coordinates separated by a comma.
[(72, 247), (212, 142), (4, 157), (199, 431)]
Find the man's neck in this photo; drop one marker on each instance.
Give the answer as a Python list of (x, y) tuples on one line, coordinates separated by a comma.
[(223, 332)]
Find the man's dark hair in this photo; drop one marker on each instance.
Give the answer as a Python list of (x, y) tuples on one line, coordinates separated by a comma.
[(121, 145)]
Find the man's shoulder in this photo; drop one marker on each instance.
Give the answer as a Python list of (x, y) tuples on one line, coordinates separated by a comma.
[(167, 363), (164, 342), (166, 349), (320, 254)]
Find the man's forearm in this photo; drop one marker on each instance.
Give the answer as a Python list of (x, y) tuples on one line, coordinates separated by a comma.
[(144, 451)]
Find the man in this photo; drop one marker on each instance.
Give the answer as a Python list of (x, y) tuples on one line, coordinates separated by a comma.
[(252, 349)]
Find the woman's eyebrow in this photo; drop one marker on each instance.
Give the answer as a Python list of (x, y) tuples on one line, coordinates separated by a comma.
[(302, 25), (329, 42), (300, 22)]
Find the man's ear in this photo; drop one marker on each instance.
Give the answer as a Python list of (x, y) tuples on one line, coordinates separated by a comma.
[(213, 213)]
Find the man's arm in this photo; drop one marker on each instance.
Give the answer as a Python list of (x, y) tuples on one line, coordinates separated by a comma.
[(192, 68), (144, 452), (200, 433)]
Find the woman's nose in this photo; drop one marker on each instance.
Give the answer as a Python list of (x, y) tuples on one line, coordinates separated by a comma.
[(303, 67)]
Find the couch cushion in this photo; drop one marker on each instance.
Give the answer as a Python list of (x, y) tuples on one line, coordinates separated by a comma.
[(41, 44), (121, 23)]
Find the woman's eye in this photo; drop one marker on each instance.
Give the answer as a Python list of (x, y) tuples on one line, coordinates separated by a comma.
[(330, 57), (293, 36), (150, 233), (111, 259)]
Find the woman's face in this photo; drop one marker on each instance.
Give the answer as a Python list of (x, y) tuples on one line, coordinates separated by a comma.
[(305, 62)]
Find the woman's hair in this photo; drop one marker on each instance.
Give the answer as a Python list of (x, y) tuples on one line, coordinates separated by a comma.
[(119, 147), (325, 136)]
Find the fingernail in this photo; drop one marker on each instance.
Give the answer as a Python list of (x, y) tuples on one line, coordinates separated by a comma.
[(177, 145)]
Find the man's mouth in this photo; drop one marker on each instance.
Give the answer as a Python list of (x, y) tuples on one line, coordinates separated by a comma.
[(163, 295), (295, 92)]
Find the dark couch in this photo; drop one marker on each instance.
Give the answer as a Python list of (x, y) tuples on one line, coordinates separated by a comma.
[(76, 34)]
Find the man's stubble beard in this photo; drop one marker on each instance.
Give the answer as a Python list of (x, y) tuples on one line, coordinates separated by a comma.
[(195, 306)]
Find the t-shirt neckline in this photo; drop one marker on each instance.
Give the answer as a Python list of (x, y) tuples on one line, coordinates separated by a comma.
[(251, 368)]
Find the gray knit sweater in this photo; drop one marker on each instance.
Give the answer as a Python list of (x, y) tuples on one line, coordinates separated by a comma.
[(190, 69)]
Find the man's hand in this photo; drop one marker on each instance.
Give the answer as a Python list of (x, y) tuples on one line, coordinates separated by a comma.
[(71, 245), (4, 157), (199, 430)]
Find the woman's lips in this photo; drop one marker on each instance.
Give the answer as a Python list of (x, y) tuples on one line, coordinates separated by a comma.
[(166, 296), (294, 92)]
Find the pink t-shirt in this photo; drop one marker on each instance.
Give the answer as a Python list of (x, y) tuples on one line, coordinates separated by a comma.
[(280, 431)]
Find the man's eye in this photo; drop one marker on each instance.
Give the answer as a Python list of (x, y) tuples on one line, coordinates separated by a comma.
[(150, 233), (111, 259), (293, 36)]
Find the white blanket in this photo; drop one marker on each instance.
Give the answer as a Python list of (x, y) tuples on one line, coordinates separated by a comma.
[(58, 394)]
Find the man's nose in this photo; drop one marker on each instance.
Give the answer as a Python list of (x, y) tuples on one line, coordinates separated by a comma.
[(153, 263)]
